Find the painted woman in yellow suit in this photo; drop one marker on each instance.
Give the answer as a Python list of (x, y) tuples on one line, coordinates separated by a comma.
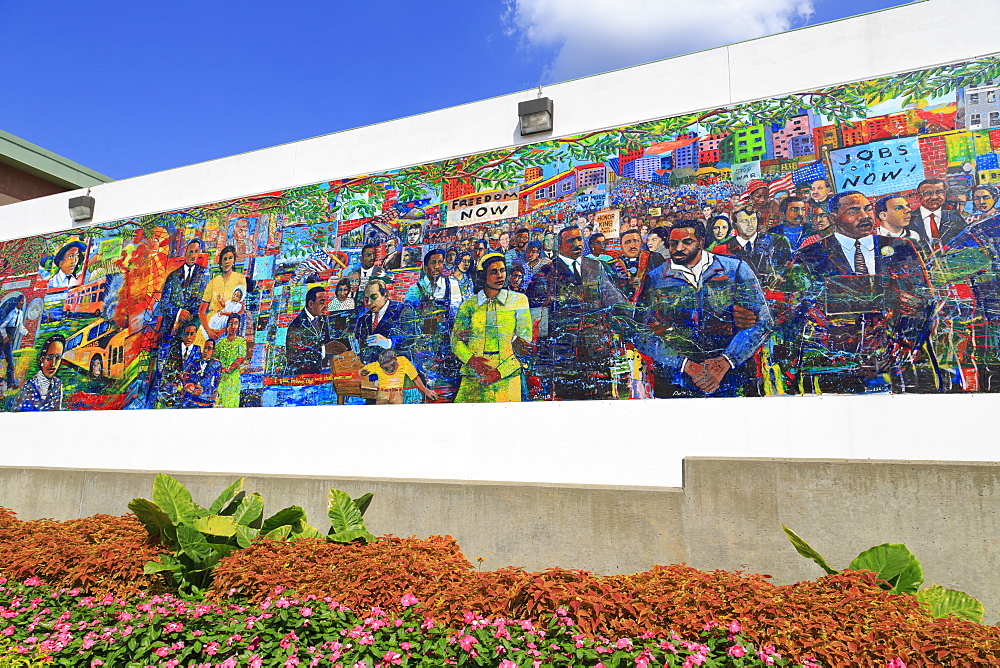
[(491, 329)]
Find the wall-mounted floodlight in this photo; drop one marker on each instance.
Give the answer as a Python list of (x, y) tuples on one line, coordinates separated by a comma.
[(536, 116), (81, 209)]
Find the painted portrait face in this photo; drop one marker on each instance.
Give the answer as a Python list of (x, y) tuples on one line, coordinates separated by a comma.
[(51, 359), (571, 243), (343, 291), (855, 217), (746, 224), (631, 245), (719, 230), (531, 254), (819, 191), (597, 244), (983, 200), (450, 257), (317, 306), (795, 213), (191, 253), (391, 245), (434, 266), (208, 350), (355, 279), (931, 195), (227, 261), (897, 213), (368, 258), (465, 264), (233, 325), (820, 219), (654, 242), (70, 260), (504, 240), (374, 299), (188, 334), (516, 279), (685, 247), (413, 235), (759, 198), (479, 251), (496, 275)]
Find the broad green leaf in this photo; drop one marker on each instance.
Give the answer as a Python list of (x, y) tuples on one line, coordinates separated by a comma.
[(223, 550), (152, 567), (154, 519), (249, 510), (303, 530), (941, 602), (193, 544), (245, 535), (226, 496), (344, 514), (806, 550), (289, 516), (234, 504), (173, 498), (889, 561), (216, 525), (350, 535), (910, 579), (282, 531), (200, 511), (362, 502)]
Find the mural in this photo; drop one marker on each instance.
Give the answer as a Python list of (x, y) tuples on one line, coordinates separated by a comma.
[(842, 240)]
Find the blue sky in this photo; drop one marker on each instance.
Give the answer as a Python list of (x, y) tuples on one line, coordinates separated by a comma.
[(129, 88)]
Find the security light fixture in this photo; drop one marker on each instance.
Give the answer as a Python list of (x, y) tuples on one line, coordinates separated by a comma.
[(81, 209), (536, 116)]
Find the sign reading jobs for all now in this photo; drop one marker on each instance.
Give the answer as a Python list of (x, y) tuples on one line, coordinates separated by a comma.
[(878, 167)]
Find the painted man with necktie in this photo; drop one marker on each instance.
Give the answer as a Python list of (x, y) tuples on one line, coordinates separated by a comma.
[(182, 291), (931, 220), (308, 344), (12, 327), (577, 296), (179, 356), (865, 304)]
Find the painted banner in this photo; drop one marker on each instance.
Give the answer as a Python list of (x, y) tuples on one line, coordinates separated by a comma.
[(879, 167)]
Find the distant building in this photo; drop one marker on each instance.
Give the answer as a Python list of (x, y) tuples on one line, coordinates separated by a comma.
[(982, 107), (645, 168), (687, 157), (28, 171), (794, 128), (750, 143), (592, 174), (454, 189)]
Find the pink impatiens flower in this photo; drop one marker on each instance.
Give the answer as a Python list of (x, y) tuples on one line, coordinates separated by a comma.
[(737, 651), (466, 642), (393, 658), (408, 600)]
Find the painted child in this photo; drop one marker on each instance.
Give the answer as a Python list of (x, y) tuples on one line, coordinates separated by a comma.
[(392, 371), (233, 307)]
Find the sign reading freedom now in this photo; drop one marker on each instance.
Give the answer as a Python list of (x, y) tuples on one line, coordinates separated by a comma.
[(482, 207), (878, 167)]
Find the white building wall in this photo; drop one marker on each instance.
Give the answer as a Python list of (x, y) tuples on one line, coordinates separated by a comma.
[(637, 443)]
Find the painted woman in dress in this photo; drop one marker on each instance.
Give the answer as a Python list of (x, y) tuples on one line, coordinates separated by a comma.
[(231, 351), (461, 274), (217, 292)]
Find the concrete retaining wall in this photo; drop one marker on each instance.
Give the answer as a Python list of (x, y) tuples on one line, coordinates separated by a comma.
[(728, 514)]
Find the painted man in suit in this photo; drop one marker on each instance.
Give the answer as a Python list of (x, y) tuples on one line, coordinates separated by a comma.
[(181, 294), (179, 355), (931, 220), (708, 316), (381, 326), (867, 301), (576, 295), (767, 253), (201, 378), (308, 343)]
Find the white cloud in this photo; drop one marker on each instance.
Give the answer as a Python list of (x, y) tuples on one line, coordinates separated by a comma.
[(591, 36)]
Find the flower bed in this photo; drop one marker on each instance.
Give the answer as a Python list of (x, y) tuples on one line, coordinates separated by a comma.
[(844, 619), (72, 629)]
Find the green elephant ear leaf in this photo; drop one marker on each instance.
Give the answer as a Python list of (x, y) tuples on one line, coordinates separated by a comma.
[(807, 551), (281, 532), (344, 513), (352, 535), (245, 535), (250, 510), (193, 544), (216, 525), (362, 502), (166, 563), (941, 602), (226, 496), (174, 499), (893, 563), (153, 519), (286, 516)]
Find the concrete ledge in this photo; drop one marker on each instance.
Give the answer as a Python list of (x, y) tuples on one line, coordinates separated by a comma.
[(728, 514)]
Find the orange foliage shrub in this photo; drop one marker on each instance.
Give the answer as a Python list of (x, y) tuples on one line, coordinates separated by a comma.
[(101, 554)]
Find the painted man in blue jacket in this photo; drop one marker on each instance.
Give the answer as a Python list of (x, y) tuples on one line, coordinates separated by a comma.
[(707, 318)]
